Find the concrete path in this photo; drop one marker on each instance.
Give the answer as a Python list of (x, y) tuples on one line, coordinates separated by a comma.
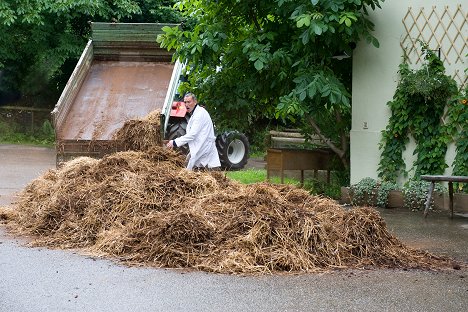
[(19, 165), (39, 279)]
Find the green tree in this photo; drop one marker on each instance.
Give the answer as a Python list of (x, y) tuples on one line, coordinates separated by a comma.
[(43, 39), (253, 59)]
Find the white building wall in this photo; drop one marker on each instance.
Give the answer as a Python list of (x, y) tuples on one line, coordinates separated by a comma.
[(375, 77)]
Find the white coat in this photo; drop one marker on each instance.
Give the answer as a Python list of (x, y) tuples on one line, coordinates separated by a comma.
[(200, 139)]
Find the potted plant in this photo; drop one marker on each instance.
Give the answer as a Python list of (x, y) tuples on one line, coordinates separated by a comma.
[(371, 192), (415, 195)]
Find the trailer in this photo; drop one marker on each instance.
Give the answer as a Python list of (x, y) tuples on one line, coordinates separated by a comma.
[(124, 74)]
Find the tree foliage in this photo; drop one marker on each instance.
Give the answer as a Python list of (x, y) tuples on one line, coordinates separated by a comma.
[(274, 58), (43, 39)]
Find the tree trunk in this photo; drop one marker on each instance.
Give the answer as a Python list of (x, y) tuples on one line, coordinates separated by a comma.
[(339, 151)]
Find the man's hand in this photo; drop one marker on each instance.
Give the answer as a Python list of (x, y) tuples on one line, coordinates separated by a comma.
[(170, 144)]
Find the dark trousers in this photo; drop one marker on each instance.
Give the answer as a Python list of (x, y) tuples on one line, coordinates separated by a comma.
[(206, 168)]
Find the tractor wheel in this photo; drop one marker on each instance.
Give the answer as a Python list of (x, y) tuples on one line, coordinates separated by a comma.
[(233, 149), (177, 127)]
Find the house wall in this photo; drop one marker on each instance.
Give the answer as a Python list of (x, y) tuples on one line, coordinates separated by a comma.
[(375, 72)]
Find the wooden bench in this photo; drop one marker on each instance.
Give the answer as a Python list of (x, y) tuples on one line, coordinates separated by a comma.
[(298, 159), (442, 178)]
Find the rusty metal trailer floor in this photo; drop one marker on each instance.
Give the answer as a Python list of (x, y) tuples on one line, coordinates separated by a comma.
[(113, 92)]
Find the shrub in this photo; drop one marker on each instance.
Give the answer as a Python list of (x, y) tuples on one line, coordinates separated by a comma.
[(415, 194), (371, 192)]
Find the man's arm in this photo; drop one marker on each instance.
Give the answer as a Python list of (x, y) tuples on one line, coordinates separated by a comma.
[(194, 131)]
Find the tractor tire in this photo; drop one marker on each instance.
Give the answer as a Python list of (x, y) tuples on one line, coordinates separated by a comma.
[(233, 150), (177, 127)]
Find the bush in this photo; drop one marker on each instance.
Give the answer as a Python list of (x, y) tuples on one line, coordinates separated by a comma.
[(371, 192), (415, 194), (12, 133)]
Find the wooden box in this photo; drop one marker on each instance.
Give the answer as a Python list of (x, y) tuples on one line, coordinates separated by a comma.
[(298, 159)]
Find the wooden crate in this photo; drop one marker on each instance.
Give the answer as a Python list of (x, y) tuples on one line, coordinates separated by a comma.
[(298, 159)]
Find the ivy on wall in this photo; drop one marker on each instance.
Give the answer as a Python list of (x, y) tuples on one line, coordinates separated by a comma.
[(418, 105), (457, 128)]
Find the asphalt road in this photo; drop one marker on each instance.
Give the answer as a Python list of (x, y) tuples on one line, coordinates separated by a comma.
[(39, 279)]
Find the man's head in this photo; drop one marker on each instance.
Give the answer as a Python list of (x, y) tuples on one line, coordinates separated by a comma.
[(190, 101)]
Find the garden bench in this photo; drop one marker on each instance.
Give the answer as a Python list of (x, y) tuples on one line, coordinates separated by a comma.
[(442, 178)]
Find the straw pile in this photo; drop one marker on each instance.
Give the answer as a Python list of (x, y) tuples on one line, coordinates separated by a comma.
[(143, 207), (140, 134)]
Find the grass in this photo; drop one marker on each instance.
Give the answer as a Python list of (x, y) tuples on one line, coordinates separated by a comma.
[(249, 176), (313, 186), (25, 139)]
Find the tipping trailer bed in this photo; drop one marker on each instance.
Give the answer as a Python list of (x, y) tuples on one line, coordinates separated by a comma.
[(122, 74)]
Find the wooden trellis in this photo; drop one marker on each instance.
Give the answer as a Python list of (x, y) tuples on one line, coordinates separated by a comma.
[(443, 30)]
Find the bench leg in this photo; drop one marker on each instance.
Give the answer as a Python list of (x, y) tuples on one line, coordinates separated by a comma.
[(450, 184), (429, 198)]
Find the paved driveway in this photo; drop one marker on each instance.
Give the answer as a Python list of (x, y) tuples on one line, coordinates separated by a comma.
[(39, 279), (19, 165)]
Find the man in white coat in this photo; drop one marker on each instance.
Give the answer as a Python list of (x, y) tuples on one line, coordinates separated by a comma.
[(199, 137)]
